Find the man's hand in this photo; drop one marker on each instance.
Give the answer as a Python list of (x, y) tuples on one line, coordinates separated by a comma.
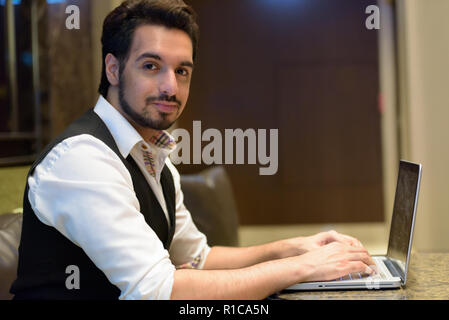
[(324, 238), (334, 260), (301, 245)]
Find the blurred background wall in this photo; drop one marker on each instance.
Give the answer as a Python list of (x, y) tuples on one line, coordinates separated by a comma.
[(311, 70), (423, 36)]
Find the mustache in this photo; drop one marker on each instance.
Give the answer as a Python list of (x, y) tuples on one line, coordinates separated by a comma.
[(163, 97)]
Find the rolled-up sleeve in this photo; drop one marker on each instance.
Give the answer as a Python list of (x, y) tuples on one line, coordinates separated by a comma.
[(83, 190)]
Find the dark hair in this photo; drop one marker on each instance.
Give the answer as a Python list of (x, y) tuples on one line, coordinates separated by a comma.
[(120, 24)]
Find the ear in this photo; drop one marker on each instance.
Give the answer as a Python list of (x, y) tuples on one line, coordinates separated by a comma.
[(112, 69)]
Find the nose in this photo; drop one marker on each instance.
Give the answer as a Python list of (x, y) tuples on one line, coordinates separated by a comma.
[(168, 84)]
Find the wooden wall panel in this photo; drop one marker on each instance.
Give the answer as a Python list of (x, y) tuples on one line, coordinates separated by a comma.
[(310, 69)]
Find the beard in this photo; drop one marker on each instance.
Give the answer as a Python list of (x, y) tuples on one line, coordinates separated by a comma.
[(145, 120)]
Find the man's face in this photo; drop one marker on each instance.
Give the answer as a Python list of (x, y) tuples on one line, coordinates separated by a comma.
[(154, 84)]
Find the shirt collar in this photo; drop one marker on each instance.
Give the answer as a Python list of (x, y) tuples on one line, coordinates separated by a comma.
[(124, 134), (163, 140)]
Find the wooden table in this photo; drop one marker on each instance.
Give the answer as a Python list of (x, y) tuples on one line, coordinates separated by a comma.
[(427, 279)]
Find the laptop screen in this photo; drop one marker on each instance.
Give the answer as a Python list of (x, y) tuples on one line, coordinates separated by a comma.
[(402, 222)]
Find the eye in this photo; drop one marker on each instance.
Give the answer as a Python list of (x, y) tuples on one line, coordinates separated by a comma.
[(182, 72), (150, 66)]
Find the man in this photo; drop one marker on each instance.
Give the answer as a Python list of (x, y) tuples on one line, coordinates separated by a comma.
[(104, 201)]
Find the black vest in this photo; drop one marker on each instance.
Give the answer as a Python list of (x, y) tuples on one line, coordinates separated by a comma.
[(45, 253)]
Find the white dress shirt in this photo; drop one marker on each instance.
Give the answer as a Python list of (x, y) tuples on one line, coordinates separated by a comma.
[(83, 189)]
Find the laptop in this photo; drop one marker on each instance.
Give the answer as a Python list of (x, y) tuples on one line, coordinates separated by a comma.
[(392, 268)]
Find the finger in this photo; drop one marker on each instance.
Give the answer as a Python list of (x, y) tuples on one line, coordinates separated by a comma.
[(352, 241), (335, 236), (360, 267), (342, 270), (357, 267), (361, 256)]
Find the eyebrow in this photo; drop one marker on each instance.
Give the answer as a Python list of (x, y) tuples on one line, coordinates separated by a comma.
[(157, 57)]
